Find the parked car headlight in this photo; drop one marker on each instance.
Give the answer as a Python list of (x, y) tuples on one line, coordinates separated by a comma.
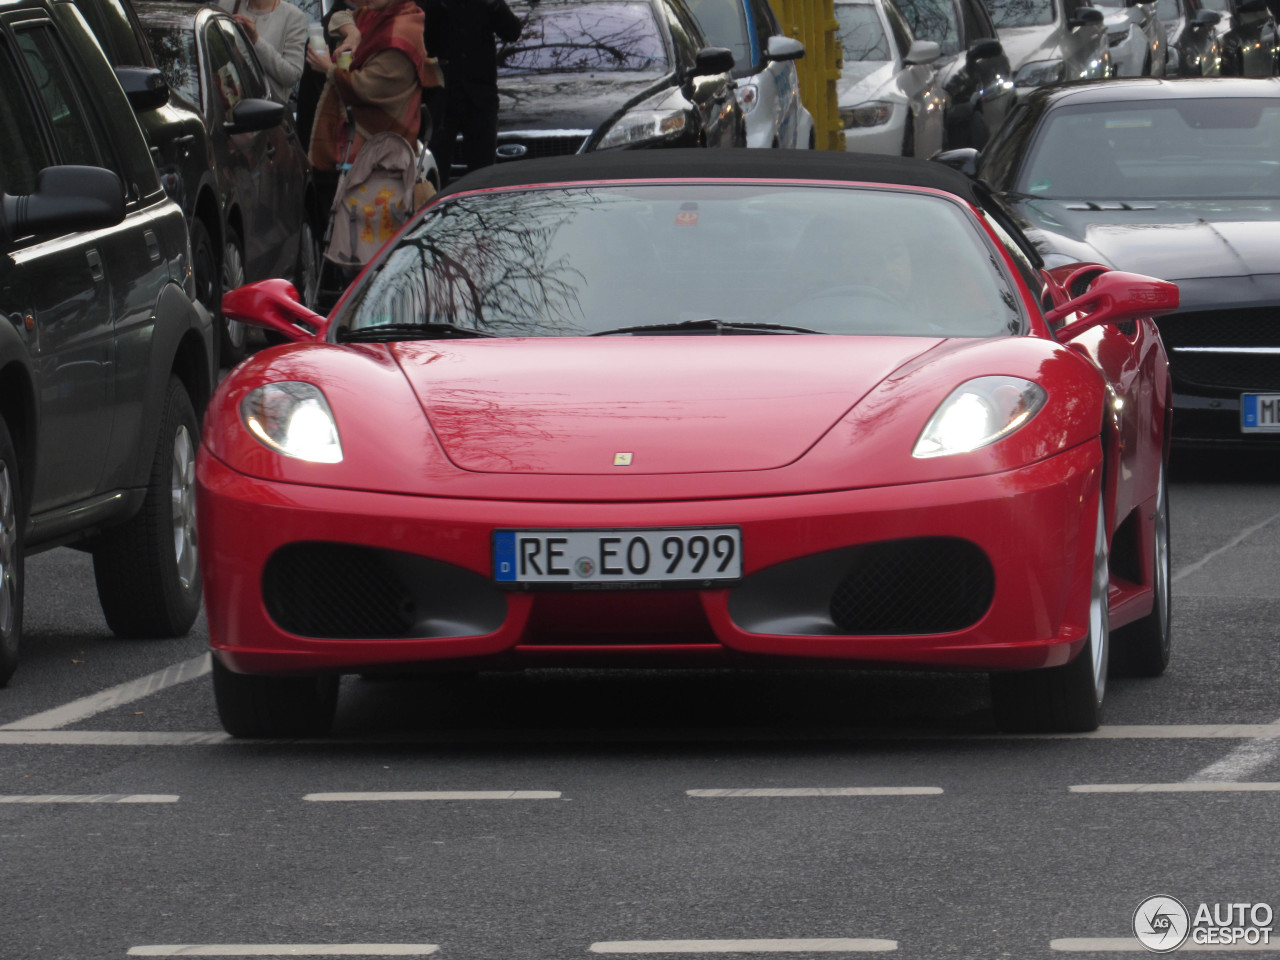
[(294, 419), (873, 113), (1118, 37), (642, 126), (748, 97), (978, 413), (1039, 73)]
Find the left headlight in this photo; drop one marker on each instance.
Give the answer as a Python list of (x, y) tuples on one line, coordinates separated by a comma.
[(873, 113), (1039, 73), (293, 418), (978, 413), (642, 126)]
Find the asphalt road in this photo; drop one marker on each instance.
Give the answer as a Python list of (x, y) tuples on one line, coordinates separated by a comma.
[(575, 826)]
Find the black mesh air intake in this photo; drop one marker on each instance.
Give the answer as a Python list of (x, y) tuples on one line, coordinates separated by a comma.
[(1248, 327), (336, 591), (924, 585)]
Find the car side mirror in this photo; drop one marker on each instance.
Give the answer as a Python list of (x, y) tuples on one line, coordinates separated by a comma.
[(274, 305), (251, 115), (1085, 16), (67, 198), (784, 48), (144, 86), (1114, 297), (713, 60), (983, 50), (922, 52), (964, 159), (1207, 18)]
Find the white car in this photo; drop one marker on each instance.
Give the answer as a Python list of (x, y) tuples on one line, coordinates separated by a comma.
[(764, 68), (890, 97), (1052, 41), (1135, 37)]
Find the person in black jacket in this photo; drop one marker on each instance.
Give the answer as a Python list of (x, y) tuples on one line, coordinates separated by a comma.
[(461, 34)]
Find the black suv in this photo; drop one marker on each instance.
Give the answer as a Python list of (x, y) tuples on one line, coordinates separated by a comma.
[(104, 357)]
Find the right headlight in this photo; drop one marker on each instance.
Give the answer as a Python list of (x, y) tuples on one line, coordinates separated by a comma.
[(1038, 73), (642, 126), (873, 113), (978, 413)]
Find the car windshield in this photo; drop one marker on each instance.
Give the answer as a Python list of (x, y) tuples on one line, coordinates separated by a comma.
[(1021, 13), (174, 47), (578, 261), (861, 33), (580, 37), (933, 20), (725, 24), (1157, 150)]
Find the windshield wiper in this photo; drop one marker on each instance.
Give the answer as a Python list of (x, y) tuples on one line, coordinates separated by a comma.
[(710, 323), (410, 331)]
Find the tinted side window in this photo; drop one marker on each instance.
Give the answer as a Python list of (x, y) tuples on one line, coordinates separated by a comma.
[(24, 153), (898, 27), (977, 22), (1001, 156), (255, 84), (686, 43), (933, 20), (228, 82), (126, 35), (765, 20), (66, 111), (1030, 275)]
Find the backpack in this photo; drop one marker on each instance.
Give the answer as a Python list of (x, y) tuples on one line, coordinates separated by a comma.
[(374, 199)]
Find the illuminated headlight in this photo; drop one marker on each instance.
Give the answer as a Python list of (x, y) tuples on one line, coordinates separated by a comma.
[(748, 97), (1038, 73), (978, 413), (874, 113), (640, 126), (294, 419)]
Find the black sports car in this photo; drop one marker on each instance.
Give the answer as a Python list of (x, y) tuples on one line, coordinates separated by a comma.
[(1192, 38), (609, 74), (1178, 179)]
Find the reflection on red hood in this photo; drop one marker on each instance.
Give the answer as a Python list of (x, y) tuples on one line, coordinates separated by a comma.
[(677, 404)]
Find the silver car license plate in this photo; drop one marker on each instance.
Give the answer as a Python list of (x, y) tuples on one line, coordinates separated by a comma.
[(1260, 413)]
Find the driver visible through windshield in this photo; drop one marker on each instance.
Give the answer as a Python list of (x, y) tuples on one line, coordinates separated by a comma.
[(688, 259)]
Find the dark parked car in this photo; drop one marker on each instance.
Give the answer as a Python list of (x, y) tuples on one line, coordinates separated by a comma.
[(1248, 34), (1192, 38), (105, 361), (269, 224), (973, 68), (1176, 179), (613, 74)]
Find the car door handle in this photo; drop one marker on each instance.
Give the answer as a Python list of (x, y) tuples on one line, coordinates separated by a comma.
[(184, 139), (95, 265), (271, 150), (153, 245)]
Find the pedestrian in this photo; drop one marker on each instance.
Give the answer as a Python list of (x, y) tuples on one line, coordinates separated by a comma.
[(278, 32), (382, 89), (460, 33)]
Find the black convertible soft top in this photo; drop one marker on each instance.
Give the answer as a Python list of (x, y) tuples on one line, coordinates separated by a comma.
[(731, 164)]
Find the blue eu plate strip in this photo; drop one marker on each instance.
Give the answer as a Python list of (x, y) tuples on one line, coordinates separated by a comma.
[(504, 555)]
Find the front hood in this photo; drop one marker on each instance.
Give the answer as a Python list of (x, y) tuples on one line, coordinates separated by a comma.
[(571, 101), (865, 80), (1024, 45), (676, 404), (1172, 240)]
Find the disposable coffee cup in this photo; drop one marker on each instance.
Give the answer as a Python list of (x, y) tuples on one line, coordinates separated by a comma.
[(344, 60), (315, 38)]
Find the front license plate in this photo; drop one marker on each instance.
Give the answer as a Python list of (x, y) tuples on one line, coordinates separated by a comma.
[(584, 558), (1260, 413)]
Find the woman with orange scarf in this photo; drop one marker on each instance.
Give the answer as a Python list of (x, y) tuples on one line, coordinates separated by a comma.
[(383, 87)]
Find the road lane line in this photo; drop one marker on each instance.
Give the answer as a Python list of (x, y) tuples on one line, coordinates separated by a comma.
[(1230, 545), (1216, 786), (116, 738), (285, 950), (812, 945), (91, 798), (1131, 945), (1242, 762), (113, 697), (818, 792), (368, 797)]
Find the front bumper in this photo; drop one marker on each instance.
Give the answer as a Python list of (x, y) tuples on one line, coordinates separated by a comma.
[(1026, 522)]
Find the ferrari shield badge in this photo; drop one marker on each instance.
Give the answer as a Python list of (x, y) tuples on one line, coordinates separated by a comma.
[(622, 459)]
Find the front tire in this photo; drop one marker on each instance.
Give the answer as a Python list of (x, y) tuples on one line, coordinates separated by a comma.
[(1143, 647), (12, 576), (275, 707), (1065, 699), (148, 569), (307, 272), (233, 335)]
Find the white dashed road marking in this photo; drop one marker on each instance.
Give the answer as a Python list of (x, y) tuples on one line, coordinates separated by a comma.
[(434, 795), (813, 945), (285, 950), (113, 697), (91, 798), (818, 792), (1189, 786)]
